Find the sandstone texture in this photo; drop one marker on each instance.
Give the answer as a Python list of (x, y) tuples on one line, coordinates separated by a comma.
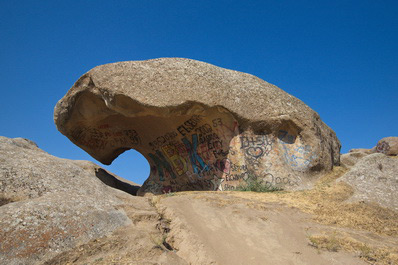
[(388, 146), (201, 127), (375, 179), (50, 205)]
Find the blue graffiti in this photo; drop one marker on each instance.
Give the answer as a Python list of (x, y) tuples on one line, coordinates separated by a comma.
[(197, 162), (298, 158)]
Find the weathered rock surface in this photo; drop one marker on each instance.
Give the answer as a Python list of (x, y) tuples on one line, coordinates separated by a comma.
[(350, 159), (57, 211), (50, 205), (375, 179), (201, 127), (363, 150), (388, 146)]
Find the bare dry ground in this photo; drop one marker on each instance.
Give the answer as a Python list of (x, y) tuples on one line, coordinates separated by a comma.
[(315, 226)]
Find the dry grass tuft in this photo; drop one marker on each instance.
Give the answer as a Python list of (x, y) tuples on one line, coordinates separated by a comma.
[(326, 201), (330, 243), (371, 254)]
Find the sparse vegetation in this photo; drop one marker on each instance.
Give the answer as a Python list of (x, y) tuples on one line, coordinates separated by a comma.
[(159, 241), (257, 185), (330, 243), (163, 225), (371, 254), (327, 201)]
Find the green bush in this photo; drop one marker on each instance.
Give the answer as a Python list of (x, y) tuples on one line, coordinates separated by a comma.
[(256, 185)]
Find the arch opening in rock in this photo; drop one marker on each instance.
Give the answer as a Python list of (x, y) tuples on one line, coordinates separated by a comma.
[(130, 165)]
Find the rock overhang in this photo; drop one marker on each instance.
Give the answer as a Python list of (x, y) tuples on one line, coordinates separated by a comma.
[(201, 127)]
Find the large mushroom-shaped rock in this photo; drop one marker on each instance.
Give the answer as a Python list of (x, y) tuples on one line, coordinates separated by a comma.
[(201, 127)]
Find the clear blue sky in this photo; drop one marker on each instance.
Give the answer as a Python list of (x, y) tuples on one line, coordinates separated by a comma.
[(339, 57)]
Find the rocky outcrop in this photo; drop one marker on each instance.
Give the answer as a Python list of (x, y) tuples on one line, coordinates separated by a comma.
[(375, 179), (201, 127), (50, 205), (350, 159), (388, 146), (363, 150)]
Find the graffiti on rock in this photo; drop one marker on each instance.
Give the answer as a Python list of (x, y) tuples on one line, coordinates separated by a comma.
[(382, 147), (271, 181), (217, 183), (256, 146), (105, 136), (189, 125), (211, 154), (178, 162), (162, 140), (197, 162), (163, 167), (298, 156)]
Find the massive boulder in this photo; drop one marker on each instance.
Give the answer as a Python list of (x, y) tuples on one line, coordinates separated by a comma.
[(50, 205), (201, 127)]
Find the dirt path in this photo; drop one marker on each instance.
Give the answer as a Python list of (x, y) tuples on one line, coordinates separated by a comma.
[(225, 228), (214, 228)]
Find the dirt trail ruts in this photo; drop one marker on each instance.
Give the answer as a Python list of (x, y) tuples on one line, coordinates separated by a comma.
[(216, 228), (139, 243), (221, 228)]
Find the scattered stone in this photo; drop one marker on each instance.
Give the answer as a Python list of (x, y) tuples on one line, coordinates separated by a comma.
[(200, 127)]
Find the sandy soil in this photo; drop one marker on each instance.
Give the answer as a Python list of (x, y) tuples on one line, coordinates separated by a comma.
[(306, 227), (211, 228)]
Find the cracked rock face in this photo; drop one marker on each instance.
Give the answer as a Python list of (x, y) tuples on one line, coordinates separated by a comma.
[(200, 127)]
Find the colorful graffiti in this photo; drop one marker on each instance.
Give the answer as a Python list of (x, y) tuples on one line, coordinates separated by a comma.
[(162, 165), (196, 161), (211, 154)]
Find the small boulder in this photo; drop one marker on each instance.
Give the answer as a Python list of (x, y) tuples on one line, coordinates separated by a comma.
[(388, 146)]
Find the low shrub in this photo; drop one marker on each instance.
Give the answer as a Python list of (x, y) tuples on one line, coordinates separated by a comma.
[(256, 185)]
